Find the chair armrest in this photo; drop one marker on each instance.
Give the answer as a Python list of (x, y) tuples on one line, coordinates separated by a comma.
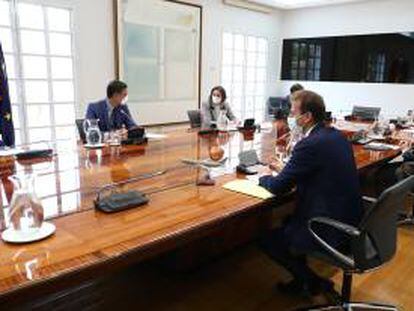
[(369, 199), (368, 203), (345, 228), (348, 229)]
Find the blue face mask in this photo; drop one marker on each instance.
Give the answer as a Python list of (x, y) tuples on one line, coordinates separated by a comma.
[(291, 122)]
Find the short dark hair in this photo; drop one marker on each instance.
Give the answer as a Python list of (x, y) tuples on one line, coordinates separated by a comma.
[(221, 90), (115, 87), (296, 87), (279, 115), (313, 103)]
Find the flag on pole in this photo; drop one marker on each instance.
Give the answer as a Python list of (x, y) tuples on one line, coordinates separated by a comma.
[(6, 121)]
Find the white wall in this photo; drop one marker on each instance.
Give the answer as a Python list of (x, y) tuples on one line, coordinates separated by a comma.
[(95, 65), (359, 18), (95, 51), (218, 18)]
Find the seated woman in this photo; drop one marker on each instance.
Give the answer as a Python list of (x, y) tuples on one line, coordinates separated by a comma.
[(216, 104)]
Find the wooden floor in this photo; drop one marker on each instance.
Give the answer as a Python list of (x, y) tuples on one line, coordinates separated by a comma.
[(244, 280)]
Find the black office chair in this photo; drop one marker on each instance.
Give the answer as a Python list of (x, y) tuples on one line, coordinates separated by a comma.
[(277, 105), (406, 216), (371, 244), (79, 125), (195, 118)]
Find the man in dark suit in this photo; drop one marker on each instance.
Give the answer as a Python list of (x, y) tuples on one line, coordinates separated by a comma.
[(322, 167), (112, 112)]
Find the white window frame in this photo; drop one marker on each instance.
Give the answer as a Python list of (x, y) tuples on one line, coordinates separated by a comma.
[(242, 112), (22, 127)]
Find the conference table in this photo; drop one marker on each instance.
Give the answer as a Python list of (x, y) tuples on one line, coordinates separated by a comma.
[(88, 243)]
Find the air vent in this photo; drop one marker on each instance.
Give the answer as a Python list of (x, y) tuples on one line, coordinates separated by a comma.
[(247, 5)]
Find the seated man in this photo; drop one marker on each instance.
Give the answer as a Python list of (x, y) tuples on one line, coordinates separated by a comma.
[(112, 112), (293, 89), (322, 167)]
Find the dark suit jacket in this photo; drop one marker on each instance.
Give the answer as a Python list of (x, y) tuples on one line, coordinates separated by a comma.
[(121, 116), (323, 168)]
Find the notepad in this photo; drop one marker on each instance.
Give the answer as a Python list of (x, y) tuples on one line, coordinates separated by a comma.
[(249, 188), (380, 146)]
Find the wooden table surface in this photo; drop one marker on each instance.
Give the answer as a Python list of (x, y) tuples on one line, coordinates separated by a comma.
[(87, 242)]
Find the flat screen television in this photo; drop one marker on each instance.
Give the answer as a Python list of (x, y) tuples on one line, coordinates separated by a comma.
[(376, 58)]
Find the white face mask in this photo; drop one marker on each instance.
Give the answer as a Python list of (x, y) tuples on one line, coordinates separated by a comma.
[(291, 122), (216, 100), (125, 100)]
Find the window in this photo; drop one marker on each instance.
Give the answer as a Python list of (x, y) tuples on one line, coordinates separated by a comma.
[(38, 44), (376, 67), (305, 62), (244, 74)]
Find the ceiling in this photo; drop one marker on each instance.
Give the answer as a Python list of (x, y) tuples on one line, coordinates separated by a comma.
[(296, 4)]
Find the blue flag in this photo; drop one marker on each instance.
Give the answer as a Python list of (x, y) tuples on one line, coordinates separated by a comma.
[(6, 121)]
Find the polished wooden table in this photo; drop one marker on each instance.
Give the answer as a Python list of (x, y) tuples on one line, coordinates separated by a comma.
[(88, 243)]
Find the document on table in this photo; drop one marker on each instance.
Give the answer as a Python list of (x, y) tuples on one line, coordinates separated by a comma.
[(248, 187), (255, 178), (380, 146), (155, 136)]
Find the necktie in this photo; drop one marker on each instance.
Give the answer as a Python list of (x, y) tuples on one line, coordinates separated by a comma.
[(113, 120)]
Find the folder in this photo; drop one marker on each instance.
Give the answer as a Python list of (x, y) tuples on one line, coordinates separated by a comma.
[(249, 188)]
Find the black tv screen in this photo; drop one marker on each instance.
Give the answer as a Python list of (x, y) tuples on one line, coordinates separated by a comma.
[(377, 58)]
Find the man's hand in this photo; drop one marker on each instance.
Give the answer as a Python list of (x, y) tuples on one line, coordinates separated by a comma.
[(276, 165), (265, 171), (123, 133)]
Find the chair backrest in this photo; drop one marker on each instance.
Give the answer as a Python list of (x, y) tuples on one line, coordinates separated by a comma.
[(249, 123), (278, 102), (379, 227), (81, 131), (366, 113), (275, 104), (195, 118)]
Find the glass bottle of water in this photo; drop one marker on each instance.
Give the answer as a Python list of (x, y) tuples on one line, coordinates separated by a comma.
[(26, 211), (410, 117), (222, 121)]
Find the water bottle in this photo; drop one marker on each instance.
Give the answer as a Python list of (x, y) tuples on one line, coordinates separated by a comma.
[(222, 121)]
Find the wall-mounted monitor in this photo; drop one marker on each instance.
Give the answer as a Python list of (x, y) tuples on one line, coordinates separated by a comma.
[(376, 58)]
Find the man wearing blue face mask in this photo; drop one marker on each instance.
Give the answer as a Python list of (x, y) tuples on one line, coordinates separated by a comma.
[(296, 133), (112, 112), (322, 167)]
